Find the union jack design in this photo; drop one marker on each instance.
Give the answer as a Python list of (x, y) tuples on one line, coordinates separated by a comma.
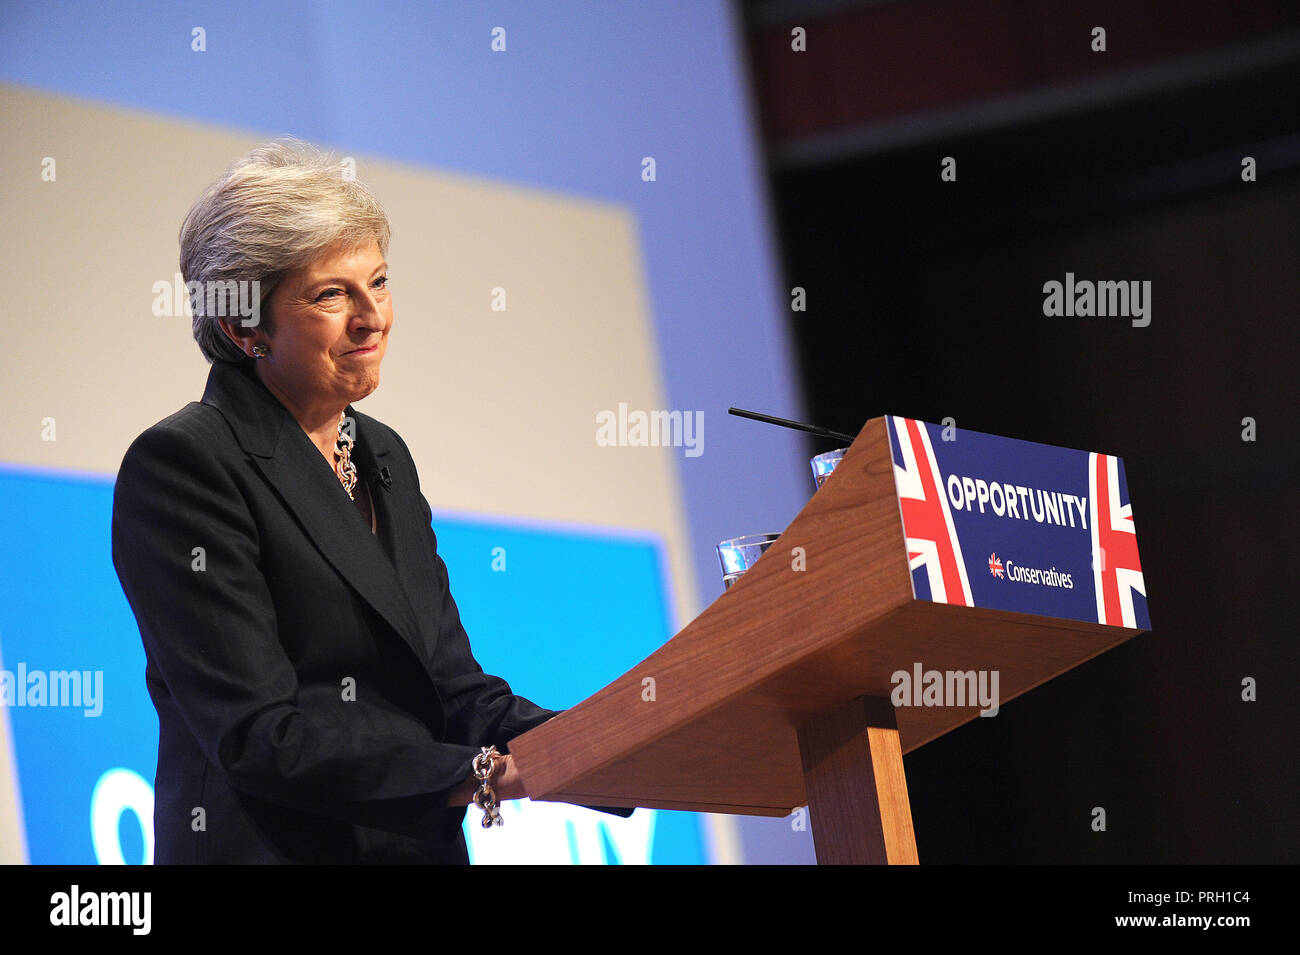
[(995, 565), (1116, 569), (931, 539)]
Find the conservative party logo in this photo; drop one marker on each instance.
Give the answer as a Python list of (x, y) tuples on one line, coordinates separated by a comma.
[(1050, 577)]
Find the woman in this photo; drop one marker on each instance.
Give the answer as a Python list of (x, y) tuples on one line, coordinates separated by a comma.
[(317, 698)]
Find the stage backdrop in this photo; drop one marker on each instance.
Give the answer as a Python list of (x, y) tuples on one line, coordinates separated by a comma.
[(539, 277)]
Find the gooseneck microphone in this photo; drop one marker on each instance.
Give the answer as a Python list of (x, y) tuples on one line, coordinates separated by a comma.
[(796, 425)]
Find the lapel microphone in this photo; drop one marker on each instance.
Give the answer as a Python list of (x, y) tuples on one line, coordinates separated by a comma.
[(382, 476)]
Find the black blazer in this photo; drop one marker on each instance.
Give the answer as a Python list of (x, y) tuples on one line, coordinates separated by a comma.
[(262, 596)]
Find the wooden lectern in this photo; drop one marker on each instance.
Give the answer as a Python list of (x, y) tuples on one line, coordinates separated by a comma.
[(778, 694)]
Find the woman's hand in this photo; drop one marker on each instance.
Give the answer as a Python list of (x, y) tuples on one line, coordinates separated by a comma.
[(506, 783)]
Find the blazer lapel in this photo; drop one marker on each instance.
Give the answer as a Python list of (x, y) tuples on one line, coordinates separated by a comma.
[(302, 477), (404, 531)]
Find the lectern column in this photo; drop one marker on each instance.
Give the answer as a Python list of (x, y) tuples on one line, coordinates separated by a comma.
[(857, 792)]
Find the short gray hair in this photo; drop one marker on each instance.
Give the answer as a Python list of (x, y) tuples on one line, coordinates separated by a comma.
[(274, 210)]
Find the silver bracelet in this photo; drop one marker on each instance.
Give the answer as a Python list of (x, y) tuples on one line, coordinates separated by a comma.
[(485, 798)]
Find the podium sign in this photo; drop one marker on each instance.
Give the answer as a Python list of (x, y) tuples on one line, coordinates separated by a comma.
[(1013, 525)]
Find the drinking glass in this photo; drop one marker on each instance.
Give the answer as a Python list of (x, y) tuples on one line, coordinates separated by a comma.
[(825, 463), (739, 554)]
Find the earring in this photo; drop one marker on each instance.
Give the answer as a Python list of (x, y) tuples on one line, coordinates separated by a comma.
[(260, 351)]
